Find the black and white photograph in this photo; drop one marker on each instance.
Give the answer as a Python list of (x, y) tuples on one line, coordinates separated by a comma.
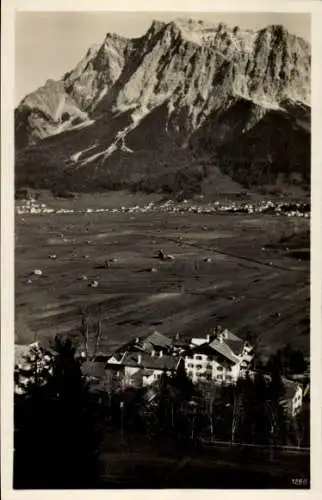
[(162, 211)]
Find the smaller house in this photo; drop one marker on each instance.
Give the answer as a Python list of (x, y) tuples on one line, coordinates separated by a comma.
[(153, 343), (157, 342), (94, 372), (292, 397), (143, 369)]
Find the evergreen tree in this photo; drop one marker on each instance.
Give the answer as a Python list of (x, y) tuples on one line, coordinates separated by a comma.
[(56, 435), (242, 424), (260, 411), (163, 417), (297, 363), (182, 385), (276, 394)]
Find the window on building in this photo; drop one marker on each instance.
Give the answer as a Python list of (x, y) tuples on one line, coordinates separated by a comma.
[(199, 367), (219, 377), (228, 378), (220, 368), (190, 365), (190, 373), (198, 357)]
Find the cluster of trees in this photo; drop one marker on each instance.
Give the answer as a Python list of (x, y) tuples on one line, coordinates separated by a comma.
[(187, 180), (287, 362), (249, 412), (56, 423)]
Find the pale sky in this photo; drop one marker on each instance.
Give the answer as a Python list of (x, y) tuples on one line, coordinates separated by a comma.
[(48, 44)]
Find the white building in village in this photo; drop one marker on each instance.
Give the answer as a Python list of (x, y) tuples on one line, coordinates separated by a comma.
[(222, 357)]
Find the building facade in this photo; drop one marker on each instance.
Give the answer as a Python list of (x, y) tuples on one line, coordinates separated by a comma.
[(222, 357)]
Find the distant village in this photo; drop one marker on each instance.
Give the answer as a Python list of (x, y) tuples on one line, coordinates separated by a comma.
[(281, 208)]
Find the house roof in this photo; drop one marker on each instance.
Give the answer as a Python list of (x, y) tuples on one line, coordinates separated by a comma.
[(235, 345), (224, 349), (150, 362), (232, 336), (248, 358), (157, 339), (216, 349), (118, 356), (204, 348), (227, 335), (126, 346)]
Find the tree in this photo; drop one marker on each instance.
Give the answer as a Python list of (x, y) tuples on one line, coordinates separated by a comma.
[(260, 411), (251, 411), (297, 363), (242, 423), (287, 361), (163, 415), (276, 393), (182, 385), (56, 432), (84, 333), (35, 371), (183, 390)]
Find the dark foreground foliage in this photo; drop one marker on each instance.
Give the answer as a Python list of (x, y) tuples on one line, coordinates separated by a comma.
[(65, 431), (56, 429)]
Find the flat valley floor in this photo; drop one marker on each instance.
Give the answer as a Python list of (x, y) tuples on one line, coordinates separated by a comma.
[(240, 271)]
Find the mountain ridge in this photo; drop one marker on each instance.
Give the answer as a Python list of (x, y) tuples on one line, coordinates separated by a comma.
[(194, 86)]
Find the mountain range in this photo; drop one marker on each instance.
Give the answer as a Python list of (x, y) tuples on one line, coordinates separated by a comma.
[(188, 108)]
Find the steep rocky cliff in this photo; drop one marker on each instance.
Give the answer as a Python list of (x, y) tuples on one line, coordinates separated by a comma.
[(167, 110)]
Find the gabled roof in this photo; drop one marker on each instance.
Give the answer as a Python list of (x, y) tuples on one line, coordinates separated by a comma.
[(234, 345), (223, 349), (204, 348), (247, 357), (126, 346), (216, 349), (117, 356), (157, 339), (232, 336), (150, 362)]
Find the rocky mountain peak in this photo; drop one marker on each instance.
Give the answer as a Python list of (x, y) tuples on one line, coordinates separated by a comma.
[(187, 81)]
